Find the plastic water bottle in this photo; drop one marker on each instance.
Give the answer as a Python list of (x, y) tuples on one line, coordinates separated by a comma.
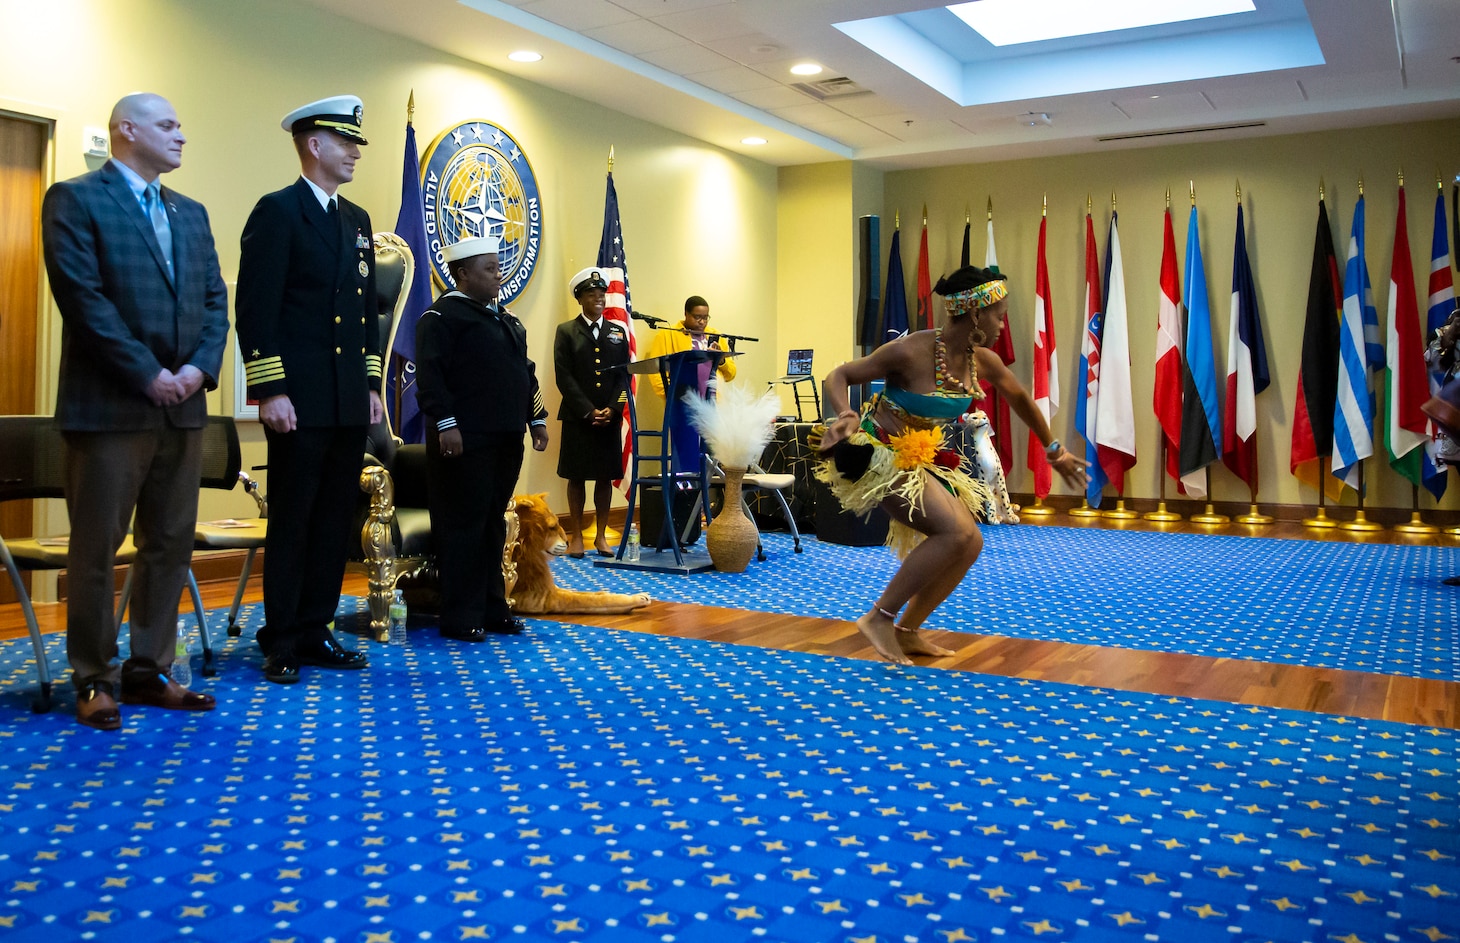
[(182, 656), (398, 618), (631, 552)]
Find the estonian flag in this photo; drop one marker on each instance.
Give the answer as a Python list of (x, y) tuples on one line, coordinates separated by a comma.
[(1201, 413)]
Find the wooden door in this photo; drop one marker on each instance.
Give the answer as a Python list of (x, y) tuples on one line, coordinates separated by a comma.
[(22, 177)]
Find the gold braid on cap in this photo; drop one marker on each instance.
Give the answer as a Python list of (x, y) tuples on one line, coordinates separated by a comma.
[(979, 296)]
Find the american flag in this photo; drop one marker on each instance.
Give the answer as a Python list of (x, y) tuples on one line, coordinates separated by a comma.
[(618, 304)]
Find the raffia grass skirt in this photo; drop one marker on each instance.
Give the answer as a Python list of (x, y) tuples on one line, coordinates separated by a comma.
[(883, 480)]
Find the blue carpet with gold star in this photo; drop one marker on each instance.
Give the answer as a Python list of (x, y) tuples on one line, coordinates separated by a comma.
[(1377, 607), (579, 783)]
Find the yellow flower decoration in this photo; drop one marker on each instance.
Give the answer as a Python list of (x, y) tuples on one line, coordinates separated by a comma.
[(915, 448)]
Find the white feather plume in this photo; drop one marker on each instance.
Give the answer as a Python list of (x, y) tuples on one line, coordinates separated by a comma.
[(736, 424)]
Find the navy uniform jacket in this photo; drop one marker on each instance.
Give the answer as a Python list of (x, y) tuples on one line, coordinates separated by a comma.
[(307, 324), (123, 320), (577, 358), (472, 370)]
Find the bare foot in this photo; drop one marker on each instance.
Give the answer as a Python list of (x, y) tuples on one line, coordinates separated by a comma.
[(880, 631), (914, 643)]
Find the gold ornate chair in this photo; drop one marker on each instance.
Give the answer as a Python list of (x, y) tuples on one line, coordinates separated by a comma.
[(395, 525)]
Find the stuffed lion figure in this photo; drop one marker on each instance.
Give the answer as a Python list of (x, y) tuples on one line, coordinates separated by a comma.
[(538, 534)]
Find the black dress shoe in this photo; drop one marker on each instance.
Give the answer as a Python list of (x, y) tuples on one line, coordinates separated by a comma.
[(465, 635), (507, 626), (327, 653), (281, 669)]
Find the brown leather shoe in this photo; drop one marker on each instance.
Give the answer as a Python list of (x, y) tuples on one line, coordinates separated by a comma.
[(96, 708), (169, 695)]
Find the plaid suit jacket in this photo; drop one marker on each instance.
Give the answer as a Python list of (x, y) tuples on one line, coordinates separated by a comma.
[(123, 319)]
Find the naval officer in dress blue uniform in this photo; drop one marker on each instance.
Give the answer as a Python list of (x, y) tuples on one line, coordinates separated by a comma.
[(590, 353), (307, 328)]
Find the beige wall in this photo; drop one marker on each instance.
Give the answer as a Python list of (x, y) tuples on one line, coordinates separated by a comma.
[(696, 219), (1279, 178)]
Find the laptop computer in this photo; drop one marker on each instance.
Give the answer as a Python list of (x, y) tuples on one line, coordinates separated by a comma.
[(798, 366)]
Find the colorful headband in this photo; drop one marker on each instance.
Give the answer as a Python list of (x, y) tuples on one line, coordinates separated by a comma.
[(979, 296)]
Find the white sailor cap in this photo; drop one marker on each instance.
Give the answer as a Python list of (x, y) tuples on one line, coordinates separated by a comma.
[(342, 114), (587, 279), (466, 248)]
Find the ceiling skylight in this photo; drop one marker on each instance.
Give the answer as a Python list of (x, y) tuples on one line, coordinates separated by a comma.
[(1009, 22)]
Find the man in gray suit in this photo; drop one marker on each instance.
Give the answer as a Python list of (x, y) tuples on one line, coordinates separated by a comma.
[(145, 319)]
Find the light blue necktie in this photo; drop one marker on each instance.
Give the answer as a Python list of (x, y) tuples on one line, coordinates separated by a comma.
[(152, 201)]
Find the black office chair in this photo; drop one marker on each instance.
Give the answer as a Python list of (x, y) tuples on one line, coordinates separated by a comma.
[(32, 466)]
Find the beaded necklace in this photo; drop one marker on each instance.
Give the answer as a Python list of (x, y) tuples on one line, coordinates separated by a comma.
[(941, 377)]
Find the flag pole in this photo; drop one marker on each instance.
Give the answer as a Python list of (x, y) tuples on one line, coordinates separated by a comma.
[(1040, 509), (1119, 512), (1320, 520), (1254, 515), (1416, 523), (1361, 522), (1084, 510), (1161, 514), (1210, 515)]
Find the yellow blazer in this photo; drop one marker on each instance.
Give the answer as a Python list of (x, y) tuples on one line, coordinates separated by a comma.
[(670, 341)]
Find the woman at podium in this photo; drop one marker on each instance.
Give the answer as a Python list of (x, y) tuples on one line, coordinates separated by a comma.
[(690, 334), (895, 454)]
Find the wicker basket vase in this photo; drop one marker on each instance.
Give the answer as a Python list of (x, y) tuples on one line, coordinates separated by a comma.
[(731, 537)]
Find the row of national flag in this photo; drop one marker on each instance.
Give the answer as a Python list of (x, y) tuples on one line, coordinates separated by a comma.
[(1343, 347)]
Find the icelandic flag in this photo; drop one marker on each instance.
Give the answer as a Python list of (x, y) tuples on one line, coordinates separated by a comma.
[(410, 225), (1353, 411), (1046, 384), (617, 304), (1247, 374), (1408, 431), (1087, 406), (1201, 413), (1115, 423), (1170, 347)]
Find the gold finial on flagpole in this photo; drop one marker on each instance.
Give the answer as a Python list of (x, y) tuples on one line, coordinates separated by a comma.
[(1401, 178), (610, 158), (1192, 185), (1361, 184), (1044, 210), (967, 214), (897, 219), (1112, 201), (991, 208), (1088, 204), (1168, 198), (925, 216), (1320, 189), (411, 107), (1239, 192)]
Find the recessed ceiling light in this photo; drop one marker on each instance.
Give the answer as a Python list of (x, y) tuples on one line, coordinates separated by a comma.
[(1008, 22), (752, 141), (525, 55), (805, 68)]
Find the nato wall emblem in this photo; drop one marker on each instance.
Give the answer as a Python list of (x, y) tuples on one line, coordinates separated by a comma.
[(476, 181)]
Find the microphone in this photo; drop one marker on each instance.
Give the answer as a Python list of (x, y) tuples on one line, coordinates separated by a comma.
[(648, 319)]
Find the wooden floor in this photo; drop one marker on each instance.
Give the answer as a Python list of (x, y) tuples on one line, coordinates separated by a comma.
[(1322, 690)]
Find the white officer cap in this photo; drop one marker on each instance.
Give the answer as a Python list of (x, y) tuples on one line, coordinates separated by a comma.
[(586, 279), (466, 248), (343, 114)]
